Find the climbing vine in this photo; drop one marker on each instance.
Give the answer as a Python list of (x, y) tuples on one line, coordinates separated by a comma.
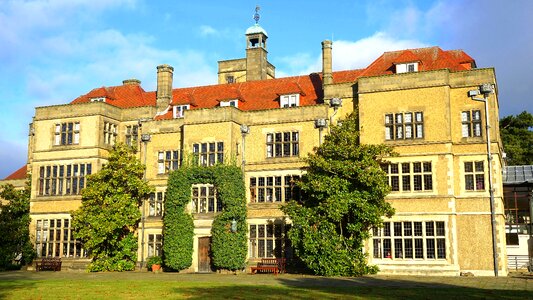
[(228, 248)]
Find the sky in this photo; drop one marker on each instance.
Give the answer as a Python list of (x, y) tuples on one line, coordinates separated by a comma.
[(52, 51)]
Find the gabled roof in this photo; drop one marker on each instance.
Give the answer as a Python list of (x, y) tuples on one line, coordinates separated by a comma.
[(124, 96), (18, 174), (432, 58), (265, 94)]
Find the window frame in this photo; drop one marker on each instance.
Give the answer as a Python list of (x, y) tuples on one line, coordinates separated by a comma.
[(154, 244), (404, 126), (132, 134), (62, 180), (272, 241), (156, 204), (268, 189), (57, 241), (232, 103), (289, 100), (278, 145), (418, 240), (168, 160), (410, 177), (471, 124), (208, 153), (205, 203), (67, 133), (178, 111), (474, 176), (110, 133)]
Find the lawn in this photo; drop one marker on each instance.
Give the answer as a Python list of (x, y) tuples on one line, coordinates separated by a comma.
[(128, 285)]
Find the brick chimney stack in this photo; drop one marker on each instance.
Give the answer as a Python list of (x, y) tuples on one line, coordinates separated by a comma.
[(164, 86), (327, 76)]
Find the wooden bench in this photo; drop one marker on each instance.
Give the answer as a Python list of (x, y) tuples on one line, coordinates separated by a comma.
[(48, 264), (270, 265)]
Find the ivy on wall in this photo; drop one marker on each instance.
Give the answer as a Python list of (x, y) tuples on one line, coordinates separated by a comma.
[(228, 249)]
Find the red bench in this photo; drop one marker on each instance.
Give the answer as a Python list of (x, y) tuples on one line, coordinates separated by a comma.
[(270, 265)]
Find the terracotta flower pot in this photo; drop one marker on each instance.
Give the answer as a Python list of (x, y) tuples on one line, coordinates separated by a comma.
[(156, 268)]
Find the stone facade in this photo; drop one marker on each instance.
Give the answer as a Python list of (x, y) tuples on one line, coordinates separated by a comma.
[(442, 222)]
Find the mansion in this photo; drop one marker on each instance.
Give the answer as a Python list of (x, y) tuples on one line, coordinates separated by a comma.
[(416, 101)]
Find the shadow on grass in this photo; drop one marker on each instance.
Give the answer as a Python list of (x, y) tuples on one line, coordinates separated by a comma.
[(268, 292), (348, 288), (13, 280), (395, 288)]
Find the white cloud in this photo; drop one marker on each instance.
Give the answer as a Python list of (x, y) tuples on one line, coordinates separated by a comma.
[(206, 30), (350, 54)]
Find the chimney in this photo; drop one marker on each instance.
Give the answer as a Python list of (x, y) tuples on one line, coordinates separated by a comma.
[(327, 76), (131, 81), (164, 86)]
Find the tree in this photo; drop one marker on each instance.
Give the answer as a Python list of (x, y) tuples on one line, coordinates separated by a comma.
[(517, 138), (15, 245), (109, 215), (345, 191)]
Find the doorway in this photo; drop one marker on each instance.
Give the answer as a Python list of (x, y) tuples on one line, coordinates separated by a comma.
[(204, 254)]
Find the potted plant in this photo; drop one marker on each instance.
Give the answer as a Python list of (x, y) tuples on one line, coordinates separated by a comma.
[(154, 263)]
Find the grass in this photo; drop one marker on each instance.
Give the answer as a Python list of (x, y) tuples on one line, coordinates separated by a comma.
[(71, 285)]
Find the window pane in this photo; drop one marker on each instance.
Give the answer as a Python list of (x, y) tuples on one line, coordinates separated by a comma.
[(465, 116), (430, 229), (386, 229), (408, 117), (430, 248), (407, 229), (408, 248), (440, 228), (480, 182), (469, 182), (397, 229), (468, 166), (398, 248)]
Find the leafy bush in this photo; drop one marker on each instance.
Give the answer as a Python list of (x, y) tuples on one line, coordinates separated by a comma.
[(154, 260)]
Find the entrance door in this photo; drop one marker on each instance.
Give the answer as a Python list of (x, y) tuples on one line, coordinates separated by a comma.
[(204, 254)]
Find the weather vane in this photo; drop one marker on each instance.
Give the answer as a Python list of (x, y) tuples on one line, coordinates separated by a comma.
[(256, 15)]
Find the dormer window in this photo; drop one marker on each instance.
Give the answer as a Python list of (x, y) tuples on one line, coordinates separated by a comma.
[(234, 103), (179, 110), (291, 100), (98, 99), (406, 68)]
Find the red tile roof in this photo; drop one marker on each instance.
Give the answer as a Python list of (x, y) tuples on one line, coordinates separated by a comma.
[(125, 96), (433, 58), (407, 56), (265, 94), (18, 174)]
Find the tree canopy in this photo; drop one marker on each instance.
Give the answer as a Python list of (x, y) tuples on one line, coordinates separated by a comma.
[(517, 137), (345, 189), (15, 245), (109, 214)]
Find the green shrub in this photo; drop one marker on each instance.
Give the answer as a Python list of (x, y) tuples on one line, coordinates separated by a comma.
[(154, 260)]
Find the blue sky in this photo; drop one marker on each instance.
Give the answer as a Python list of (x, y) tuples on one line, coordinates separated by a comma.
[(52, 51)]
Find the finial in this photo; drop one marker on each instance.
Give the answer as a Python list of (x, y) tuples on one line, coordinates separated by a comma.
[(256, 15)]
